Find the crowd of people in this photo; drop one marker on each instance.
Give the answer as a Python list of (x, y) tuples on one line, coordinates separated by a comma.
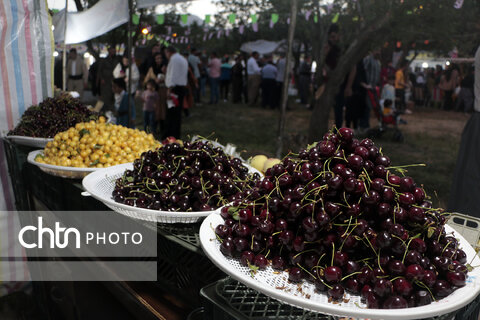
[(169, 83)]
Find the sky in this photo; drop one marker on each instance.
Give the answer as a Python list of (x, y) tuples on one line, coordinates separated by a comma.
[(197, 7)]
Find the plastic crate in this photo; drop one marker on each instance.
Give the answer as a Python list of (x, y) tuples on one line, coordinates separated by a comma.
[(229, 299), (183, 271), (16, 159), (468, 227)]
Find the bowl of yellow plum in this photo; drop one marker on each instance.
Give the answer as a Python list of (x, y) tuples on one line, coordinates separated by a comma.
[(89, 146)]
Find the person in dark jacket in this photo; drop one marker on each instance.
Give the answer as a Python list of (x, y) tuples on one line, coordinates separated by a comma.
[(122, 102), (237, 79)]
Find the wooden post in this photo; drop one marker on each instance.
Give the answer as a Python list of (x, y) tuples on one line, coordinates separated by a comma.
[(129, 56), (286, 80), (64, 54)]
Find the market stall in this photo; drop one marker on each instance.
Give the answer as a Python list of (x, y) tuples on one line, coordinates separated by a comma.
[(193, 257), (329, 232)]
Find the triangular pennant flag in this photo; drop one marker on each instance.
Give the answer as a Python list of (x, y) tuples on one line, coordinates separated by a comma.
[(204, 37), (307, 14), (241, 29), (232, 17), (227, 32), (315, 18), (207, 18), (271, 24), (210, 36), (184, 18), (219, 34), (254, 18), (458, 4), (335, 18), (161, 19), (329, 8), (169, 30), (288, 21), (255, 27), (274, 18), (135, 19)]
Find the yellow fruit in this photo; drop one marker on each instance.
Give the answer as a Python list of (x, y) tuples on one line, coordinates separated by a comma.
[(97, 144), (270, 163), (258, 162)]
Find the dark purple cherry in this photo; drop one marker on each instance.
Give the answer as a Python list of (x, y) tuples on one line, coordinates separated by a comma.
[(246, 258), (336, 292), (402, 287), (457, 279), (442, 288), (260, 261), (395, 302), (333, 274), (383, 161)]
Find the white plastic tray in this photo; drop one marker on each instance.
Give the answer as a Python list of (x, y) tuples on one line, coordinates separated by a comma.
[(100, 185), (59, 171), (269, 283), (30, 141)]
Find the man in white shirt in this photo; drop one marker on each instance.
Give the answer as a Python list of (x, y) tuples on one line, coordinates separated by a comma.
[(254, 78), (77, 73), (176, 82)]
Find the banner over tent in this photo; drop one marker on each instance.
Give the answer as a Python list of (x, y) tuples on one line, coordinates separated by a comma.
[(85, 25)]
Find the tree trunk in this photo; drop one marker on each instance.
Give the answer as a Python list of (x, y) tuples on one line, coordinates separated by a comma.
[(357, 50), (321, 114)]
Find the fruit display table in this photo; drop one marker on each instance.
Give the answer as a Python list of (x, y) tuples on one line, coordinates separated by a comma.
[(182, 267), (189, 286)]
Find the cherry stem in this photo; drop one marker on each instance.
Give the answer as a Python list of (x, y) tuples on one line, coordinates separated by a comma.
[(298, 264), (351, 274)]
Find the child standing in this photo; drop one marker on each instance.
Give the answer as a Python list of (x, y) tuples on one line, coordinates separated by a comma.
[(150, 100), (388, 91)]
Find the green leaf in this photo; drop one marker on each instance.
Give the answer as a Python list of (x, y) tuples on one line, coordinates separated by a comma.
[(129, 179), (83, 132), (232, 210), (39, 156), (161, 19), (93, 163), (97, 146), (310, 146)]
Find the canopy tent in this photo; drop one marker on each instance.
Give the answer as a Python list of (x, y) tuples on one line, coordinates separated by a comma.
[(85, 25), (263, 47)]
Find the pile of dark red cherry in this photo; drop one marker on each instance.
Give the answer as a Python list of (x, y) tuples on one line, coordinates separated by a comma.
[(338, 215), (195, 176)]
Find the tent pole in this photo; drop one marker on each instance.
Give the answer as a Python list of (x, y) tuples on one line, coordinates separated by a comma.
[(286, 80), (64, 54), (129, 56)]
